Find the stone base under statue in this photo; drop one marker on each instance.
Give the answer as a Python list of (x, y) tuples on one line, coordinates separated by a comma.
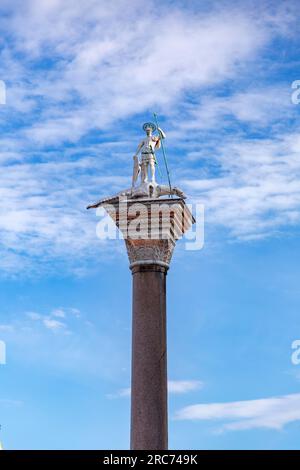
[(146, 190)]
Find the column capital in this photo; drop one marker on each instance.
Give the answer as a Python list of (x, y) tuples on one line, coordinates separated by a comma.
[(149, 252), (150, 228)]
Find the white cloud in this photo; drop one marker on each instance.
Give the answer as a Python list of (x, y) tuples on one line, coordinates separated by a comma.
[(53, 325), (257, 192), (259, 107), (174, 386), (124, 392), (128, 69), (183, 386), (272, 413), (58, 312), (34, 316), (75, 311), (43, 215), (53, 321), (7, 327)]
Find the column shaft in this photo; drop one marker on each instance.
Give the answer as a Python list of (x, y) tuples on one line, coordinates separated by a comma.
[(149, 414)]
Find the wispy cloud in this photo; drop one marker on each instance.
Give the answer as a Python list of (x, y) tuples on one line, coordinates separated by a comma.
[(256, 192), (58, 312), (259, 107), (66, 344), (123, 392), (51, 321), (270, 413), (174, 386), (54, 325), (123, 70), (6, 327), (184, 386)]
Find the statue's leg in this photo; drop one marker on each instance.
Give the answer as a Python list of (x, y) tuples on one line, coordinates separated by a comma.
[(144, 172), (152, 166)]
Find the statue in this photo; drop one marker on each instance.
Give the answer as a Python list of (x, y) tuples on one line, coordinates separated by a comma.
[(147, 147), (146, 189)]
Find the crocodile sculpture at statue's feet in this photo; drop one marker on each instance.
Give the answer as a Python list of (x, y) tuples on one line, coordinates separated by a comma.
[(145, 190)]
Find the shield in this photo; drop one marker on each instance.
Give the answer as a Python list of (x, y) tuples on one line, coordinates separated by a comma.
[(136, 170)]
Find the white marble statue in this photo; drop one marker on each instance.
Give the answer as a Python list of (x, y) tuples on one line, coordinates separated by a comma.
[(147, 148), (145, 189)]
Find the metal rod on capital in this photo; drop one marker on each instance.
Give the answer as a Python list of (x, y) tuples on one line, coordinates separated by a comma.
[(164, 154)]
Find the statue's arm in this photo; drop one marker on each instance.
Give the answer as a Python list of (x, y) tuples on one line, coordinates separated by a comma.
[(161, 136), (139, 148)]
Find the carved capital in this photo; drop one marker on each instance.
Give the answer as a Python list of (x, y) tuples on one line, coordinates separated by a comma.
[(150, 251)]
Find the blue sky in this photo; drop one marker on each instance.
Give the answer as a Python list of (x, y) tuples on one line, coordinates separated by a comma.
[(81, 80)]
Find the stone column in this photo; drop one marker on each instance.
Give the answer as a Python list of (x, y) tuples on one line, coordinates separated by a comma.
[(161, 223), (149, 425)]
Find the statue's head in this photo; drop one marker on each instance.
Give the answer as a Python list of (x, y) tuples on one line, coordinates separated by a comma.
[(149, 127)]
